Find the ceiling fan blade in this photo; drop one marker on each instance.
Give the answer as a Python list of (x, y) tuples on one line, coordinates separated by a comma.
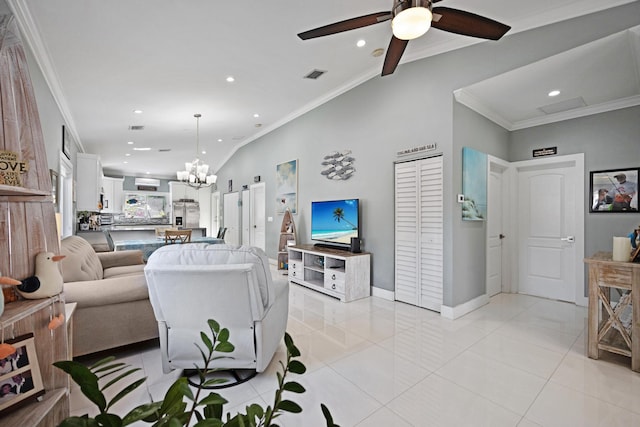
[(394, 53), (346, 25), (467, 24)]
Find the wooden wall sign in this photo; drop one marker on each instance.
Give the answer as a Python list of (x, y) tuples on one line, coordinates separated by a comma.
[(11, 168)]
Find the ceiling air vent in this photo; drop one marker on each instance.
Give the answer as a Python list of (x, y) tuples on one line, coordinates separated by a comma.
[(164, 150), (314, 74), (136, 127), (561, 106)]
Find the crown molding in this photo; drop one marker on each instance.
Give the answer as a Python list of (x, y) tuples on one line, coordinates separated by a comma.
[(467, 99)]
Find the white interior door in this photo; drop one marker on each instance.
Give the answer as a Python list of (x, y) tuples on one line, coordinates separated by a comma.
[(215, 213), (231, 217), (419, 232), (258, 215), (550, 198), (246, 218), (65, 194), (496, 227)]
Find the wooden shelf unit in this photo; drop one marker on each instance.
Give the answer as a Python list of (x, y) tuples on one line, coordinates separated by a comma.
[(33, 316), (338, 273), (287, 237), (605, 330)]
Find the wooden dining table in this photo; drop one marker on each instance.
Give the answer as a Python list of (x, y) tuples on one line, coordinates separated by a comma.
[(148, 246)]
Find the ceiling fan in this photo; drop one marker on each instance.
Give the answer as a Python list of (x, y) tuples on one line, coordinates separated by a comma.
[(412, 18)]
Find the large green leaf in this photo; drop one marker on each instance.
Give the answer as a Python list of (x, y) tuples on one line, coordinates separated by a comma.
[(223, 336), (213, 399), (214, 326), (327, 416), (207, 341), (119, 377), (224, 347), (109, 420), (128, 389), (143, 412), (297, 367), (294, 387), (289, 406), (87, 381), (83, 421)]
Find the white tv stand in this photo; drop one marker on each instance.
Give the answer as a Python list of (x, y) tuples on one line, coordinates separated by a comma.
[(338, 273)]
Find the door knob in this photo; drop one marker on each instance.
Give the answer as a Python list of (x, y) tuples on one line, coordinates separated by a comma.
[(568, 239)]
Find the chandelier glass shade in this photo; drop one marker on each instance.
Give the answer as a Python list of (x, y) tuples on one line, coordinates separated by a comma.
[(196, 173)]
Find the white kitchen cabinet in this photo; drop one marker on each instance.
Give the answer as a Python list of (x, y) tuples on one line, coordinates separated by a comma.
[(113, 199), (89, 182)]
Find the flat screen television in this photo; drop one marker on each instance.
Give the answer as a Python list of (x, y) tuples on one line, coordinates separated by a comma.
[(335, 221)]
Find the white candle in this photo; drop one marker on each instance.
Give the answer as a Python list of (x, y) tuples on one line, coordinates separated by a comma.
[(621, 249)]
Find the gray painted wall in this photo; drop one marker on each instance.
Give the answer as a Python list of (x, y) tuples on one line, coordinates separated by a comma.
[(609, 141), (475, 131)]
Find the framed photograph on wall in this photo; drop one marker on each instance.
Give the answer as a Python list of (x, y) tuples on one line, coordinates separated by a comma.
[(614, 190), (20, 379), (287, 186), (66, 141)]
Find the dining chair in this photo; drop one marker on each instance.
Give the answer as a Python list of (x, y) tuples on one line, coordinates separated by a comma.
[(175, 236)]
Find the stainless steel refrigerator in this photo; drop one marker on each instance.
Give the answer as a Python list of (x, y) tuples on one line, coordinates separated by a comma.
[(186, 214)]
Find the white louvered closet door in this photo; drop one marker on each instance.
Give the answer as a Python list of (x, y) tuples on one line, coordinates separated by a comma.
[(419, 232)]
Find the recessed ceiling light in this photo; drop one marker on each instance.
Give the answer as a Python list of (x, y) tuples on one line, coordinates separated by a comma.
[(142, 149), (130, 142), (219, 139), (204, 152), (125, 162), (148, 172), (554, 93), (127, 154), (256, 115), (361, 43), (137, 111), (230, 79)]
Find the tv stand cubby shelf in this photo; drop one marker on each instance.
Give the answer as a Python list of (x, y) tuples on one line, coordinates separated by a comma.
[(338, 273)]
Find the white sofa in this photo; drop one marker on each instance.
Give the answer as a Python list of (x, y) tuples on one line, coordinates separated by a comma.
[(191, 283)]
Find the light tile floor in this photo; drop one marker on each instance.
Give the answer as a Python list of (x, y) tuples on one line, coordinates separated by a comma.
[(518, 361)]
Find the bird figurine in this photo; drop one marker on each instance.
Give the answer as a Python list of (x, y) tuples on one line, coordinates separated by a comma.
[(47, 281), (5, 281)]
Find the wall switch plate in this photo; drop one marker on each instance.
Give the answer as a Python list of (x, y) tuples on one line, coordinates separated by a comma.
[(460, 198)]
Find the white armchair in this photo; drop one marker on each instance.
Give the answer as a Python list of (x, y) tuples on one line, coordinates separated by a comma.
[(191, 283)]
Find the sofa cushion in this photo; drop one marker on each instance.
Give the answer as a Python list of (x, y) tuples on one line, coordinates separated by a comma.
[(80, 262), (218, 254), (115, 290), (125, 270)]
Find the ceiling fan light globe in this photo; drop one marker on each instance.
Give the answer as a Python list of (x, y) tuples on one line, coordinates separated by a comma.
[(411, 23)]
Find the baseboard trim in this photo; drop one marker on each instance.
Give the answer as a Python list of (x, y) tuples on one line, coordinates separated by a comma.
[(383, 293), (462, 309)]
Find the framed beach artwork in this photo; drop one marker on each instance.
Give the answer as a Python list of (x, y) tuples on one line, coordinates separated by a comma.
[(287, 187), (474, 185)]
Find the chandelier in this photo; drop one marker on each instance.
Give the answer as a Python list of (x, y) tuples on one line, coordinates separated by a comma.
[(196, 172)]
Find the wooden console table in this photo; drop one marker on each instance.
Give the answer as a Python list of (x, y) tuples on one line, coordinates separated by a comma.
[(605, 330)]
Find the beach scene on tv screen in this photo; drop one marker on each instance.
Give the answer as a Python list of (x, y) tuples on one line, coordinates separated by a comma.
[(334, 221)]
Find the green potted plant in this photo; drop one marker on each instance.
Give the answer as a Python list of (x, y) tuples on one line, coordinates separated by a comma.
[(173, 410)]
